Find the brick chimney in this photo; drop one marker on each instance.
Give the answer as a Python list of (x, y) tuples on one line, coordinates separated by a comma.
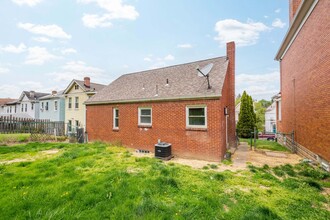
[(294, 5), (54, 92), (87, 82), (32, 93), (231, 92)]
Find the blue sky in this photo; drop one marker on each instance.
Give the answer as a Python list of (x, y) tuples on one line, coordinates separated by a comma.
[(44, 44)]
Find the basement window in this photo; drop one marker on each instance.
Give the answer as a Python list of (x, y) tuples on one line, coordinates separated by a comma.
[(196, 117), (145, 116)]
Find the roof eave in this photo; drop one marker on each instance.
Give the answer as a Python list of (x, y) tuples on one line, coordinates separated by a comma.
[(301, 16), (153, 100)]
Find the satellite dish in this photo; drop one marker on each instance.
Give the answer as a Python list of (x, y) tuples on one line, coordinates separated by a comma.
[(205, 72)]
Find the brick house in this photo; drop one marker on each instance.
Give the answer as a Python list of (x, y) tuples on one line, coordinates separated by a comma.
[(171, 104), (304, 55)]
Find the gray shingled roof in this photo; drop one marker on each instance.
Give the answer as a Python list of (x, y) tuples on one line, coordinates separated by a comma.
[(184, 83), (59, 94), (37, 95), (93, 86)]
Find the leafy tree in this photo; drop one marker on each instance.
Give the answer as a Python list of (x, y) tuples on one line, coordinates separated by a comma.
[(247, 117)]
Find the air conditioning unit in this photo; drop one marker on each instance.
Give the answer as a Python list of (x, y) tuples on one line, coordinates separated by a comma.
[(325, 166)]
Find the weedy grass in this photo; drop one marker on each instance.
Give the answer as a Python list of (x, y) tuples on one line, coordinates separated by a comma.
[(7, 138), (267, 145), (99, 181)]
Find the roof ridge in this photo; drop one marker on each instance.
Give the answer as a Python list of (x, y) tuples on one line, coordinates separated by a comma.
[(181, 64), (90, 82)]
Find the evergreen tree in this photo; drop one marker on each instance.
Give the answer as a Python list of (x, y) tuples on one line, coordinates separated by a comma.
[(247, 117)]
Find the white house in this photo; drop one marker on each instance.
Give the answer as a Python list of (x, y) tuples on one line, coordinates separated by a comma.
[(237, 110), (270, 118)]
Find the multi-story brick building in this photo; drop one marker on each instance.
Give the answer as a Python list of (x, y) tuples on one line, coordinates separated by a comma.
[(304, 55), (172, 104)]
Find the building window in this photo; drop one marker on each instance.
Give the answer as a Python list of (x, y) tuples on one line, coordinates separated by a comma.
[(77, 124), (70, 102), (25, 107), (76, 103), (46, 106), (145, 116), (55, 105), (76, 87), (115, 118), (279, 111), (42, 106), (70, 125), (32, 106), (15, 108), (196, 116), (10, 109), (22, 107)]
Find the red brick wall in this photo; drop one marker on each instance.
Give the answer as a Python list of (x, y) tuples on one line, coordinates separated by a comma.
[(168, 124), (305, 84), (228, 92), (294, 5)]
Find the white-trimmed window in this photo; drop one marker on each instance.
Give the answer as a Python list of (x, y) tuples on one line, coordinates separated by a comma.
[(76, 87), (145, 116), (70, 102), (69, 125), (76, 103), (116, 118), (46, 106), (196, 116), (55, 105)]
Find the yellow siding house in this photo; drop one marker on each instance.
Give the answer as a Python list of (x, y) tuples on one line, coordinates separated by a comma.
[(75, 96)]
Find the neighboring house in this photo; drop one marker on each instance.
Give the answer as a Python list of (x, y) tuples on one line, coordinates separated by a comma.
[(27, 106), (75, 95), (270, 118), (3, 107), (237, 111), (171, 104), (304, 57), (52, 106), (28, 103)]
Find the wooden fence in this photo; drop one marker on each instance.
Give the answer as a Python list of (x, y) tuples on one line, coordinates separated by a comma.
[(10, 125)]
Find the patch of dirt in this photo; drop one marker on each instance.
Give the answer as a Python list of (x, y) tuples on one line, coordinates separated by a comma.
[(133, 170), (51, 151), (326, 191), (226, 208), (259, 158), (17, 160)]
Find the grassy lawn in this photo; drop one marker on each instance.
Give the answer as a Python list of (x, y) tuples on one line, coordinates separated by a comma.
[(267, 145), (98, 181), (4, 138)]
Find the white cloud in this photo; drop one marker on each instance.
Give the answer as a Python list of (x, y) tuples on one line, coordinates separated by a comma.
[(52, 30), (14, 49), (169, 57), (278, 10), (68, 51), (3, 70), (42, 39), (115, 9), (93, 21), (30, 3), (11, 91), (38, 56), (278, 23), (77, 70), (266, 16), (148, 59), (244, 34), (259, 86), (187, 46)]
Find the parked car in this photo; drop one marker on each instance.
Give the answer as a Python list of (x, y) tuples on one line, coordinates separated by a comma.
[(268, 136)]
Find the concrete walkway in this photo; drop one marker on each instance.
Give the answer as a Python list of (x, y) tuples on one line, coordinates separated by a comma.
[(240, 156)]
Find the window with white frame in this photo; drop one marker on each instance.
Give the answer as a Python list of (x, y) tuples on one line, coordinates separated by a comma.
[(115, 118), (76, 103), (145, 116), (70, 102), (76, 87), (46, 106), (55, 105), (69, 125), (196, 116)]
